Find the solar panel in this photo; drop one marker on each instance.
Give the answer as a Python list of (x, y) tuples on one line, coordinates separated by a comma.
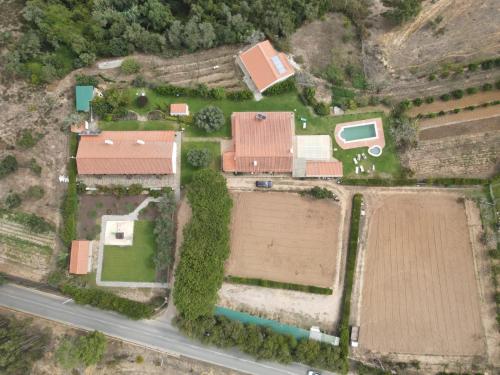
[(278, 64)]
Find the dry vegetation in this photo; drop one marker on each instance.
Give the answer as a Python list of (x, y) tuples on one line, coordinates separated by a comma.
[(419, 290), (284, 237)]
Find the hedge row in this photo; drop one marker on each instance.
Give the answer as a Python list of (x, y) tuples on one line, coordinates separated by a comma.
[(457, 110), (108, 301), (278, 285), (282, 87), (201, 91), (69, 209), (352, 251), (411, 182), (262, 342), (205, 248)]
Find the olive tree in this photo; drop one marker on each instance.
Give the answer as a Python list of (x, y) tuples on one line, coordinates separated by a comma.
[(199, 158), (210, 118)]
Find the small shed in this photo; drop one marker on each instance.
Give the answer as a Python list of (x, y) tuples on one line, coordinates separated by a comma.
[(83, 95), (179, 109), (81, 257)]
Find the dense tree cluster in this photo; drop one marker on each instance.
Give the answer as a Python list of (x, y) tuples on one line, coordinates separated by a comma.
[(164, 231), (205, 248), (401, 11), (21, 344), (199, 158), (65, 34)]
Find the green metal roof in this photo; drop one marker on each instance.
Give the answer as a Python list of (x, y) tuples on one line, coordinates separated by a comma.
[(83, 95)]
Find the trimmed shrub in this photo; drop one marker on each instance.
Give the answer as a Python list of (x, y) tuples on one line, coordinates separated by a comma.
[(278, 285), (239, 96), (210, 119), (8, 165), (445, 97), (318, 193), (471, 90), (13, 200), (281, 87), (130, 66), (199, 158), (217, 93), (108, 301), (322, 109), (457, 94), (487, 87)]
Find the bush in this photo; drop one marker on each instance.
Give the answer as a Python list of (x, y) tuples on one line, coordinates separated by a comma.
[(34, 192), (130, 66), (281, 87), (205, 246), (13, 200), (199, 158), (487, 64), (210, 119), (81, 351), (401, 11), (429, 99), (472, 67), (417, 102), (319, 193), (445, 97), (432, 77), (457, 94), (108, 301), (84, 80), (308, 96), (322, 109), (487, 87), (8, 165), (35, 167), (142, 101), (164, 231), (139, 81), (139, 359), (497, 85), (471, 90), (217, 93), (25, 139)]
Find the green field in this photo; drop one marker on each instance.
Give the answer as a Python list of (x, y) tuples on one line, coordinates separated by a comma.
[(187, 170), (132, 263)]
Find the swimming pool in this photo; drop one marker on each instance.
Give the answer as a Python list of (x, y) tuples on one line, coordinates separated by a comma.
[(353, 133), (375, 151)]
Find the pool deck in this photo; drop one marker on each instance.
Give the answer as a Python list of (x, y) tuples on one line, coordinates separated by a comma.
[(378, 141)]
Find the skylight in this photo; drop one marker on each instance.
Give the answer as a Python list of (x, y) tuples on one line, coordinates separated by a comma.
[(278, 64)]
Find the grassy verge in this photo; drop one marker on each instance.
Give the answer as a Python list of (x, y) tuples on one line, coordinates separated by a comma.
[(187, 170), (278, 285), (132, 263), (127, 125), (349, 276)]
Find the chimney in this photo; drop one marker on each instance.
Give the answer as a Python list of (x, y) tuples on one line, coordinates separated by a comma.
[(140, 142), (260, 116), (108, 141)]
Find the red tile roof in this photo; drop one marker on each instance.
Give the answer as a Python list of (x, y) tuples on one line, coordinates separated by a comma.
[(79, 261), (258, 61), (179, 108), (131, 152), (261, 145), (324, 169)]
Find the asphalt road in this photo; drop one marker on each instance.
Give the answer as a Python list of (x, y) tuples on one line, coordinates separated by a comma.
[(155, 334)]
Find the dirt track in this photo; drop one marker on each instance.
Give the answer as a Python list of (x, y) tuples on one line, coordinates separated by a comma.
[(284, 237), (419, 291)]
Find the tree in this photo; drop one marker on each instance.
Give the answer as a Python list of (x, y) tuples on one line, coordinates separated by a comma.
[(83, 351), (175, 34), (404, 130), (199, 158), (402, 10), (13, 200), (130, 66), (210, 118)]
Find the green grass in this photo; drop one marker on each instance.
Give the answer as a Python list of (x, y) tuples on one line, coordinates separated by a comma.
[(187, 170), (138, 125), (132, 263)]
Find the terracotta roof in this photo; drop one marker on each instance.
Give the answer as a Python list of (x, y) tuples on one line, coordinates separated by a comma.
[(79, 261), (228, 161), (265, 65), (179, 108), (324, 169), (126, 152), (264, 145)]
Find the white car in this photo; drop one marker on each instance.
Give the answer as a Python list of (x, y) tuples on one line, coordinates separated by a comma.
[(312, 372)]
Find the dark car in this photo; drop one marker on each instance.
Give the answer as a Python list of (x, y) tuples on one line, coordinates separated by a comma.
[(264, 184)]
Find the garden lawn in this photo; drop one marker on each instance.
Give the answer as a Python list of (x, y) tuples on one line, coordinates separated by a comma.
[(187, 170), (138, 125), (132, 263)]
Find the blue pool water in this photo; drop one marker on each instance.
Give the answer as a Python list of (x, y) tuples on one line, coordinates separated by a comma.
[(358, 132)]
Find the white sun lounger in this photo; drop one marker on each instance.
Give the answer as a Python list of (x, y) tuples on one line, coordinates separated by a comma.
[(373, 167), (363, 155), (359, 157), (357, 170), (355, 161), (361, 168)]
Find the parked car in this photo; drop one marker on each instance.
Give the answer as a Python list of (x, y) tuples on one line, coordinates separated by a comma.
[(264, 184), (312, 372)]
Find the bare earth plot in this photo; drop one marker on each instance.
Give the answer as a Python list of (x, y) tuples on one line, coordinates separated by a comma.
[(284, 237), (419, 289)]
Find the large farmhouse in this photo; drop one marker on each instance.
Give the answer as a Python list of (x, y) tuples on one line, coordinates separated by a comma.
[(266, 143), (263, 66), (126, 157)]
